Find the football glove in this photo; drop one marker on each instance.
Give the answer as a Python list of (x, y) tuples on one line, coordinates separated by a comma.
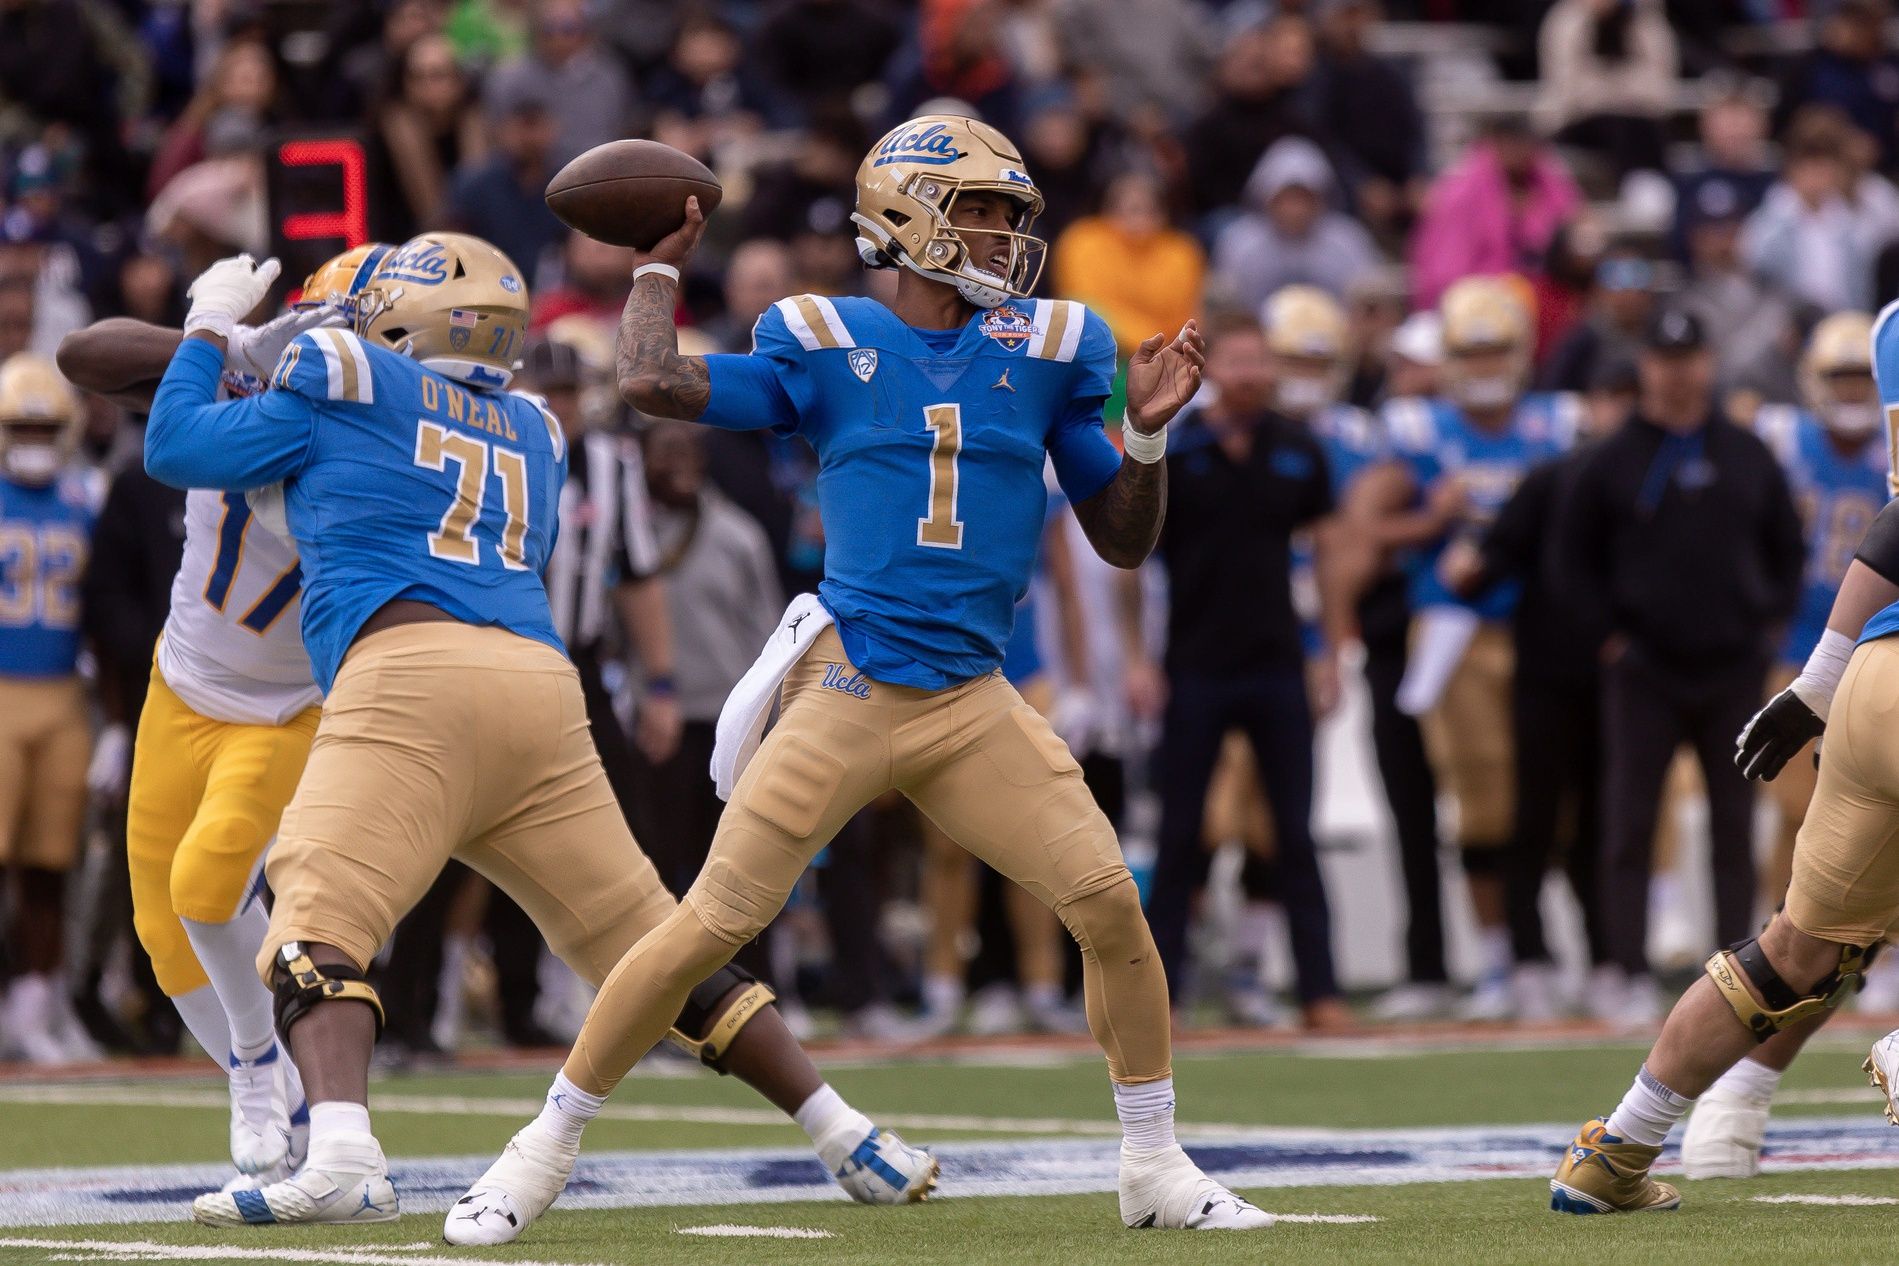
[(1776, 735), (255, 349), (226, 291)]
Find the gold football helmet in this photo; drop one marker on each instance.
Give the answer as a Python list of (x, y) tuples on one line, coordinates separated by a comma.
[(1487, 338), (1836, 375), (451, 301), (39, 420), (341, 278), (907, 186), (1310, 341)]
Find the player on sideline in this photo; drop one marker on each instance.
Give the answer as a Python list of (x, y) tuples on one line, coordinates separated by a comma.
[(225, 731), (932, 419), (422, 498), (1774, 991)]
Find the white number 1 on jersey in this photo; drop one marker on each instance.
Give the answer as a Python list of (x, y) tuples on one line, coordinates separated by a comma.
[(942, 528), (454, 540)]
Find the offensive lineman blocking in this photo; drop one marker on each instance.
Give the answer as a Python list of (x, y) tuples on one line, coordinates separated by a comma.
[(932, 420)]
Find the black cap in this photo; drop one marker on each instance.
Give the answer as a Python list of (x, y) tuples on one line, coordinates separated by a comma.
[(551, 364), (1674, 330)]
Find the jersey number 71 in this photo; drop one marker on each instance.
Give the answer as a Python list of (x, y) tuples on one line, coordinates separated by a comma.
[(454, 540)]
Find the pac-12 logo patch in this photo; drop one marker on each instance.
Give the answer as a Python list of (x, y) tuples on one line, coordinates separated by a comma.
[(461, 325), (863, 362), (1009, 326)]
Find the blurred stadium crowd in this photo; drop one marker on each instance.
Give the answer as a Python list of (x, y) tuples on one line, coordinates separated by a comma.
[(1672, 203)]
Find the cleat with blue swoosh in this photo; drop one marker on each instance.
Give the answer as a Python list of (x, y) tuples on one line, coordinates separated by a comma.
[(1601, 1173), (345, 1180), (883, 1169)]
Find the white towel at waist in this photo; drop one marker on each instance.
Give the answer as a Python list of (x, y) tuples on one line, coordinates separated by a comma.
[(742, 720)]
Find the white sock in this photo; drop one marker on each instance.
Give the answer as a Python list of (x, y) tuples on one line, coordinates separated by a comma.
[(203, 1014), (1146, 1110), (835, 1128), (1752, 1079), (335, 1117), (942, 994), (450, 1003), (568, 1109), (1648, 1112), (1043, 998), (30, 1002), (228, 952), (1260, 922), (1493, 947)]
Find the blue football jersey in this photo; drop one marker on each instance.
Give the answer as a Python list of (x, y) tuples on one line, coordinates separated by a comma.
[(1353, 439), (45, 536), (1436, 440), (398, 482), (931, 446), (1886, 374), (1838, 494)]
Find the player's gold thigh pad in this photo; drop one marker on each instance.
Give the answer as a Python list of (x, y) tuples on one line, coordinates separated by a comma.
[(1845, 885)]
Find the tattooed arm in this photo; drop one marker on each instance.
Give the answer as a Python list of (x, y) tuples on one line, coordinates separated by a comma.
[(653, 377), (1123, 520)]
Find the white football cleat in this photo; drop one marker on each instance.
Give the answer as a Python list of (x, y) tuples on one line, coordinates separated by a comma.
[(881, 1168), (528, 1176), (1725, 1133), (260, 1111), (1165, 1189), (1409, 1003), (1489, 1000), (346, 1181), (1883, 1067), (1533, 993)]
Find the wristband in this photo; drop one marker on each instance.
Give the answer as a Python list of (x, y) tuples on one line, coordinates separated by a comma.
[(665, 270), (663, 686), (1141, 446), (1821, 677)]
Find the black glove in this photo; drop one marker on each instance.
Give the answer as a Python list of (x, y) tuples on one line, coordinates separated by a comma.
[(1776, 735)]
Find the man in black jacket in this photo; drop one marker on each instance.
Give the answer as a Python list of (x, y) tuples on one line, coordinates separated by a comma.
[(1682, 551)]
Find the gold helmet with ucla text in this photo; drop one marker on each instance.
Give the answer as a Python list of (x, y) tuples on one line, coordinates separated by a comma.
[(1307, 333), (1836, 375), (1486, 315), (39, 420), (907, 187), (340, 279), (451, 301)]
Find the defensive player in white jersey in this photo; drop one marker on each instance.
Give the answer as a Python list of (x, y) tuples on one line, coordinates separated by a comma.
[(224, 735)]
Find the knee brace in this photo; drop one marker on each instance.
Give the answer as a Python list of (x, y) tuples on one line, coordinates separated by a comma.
[(708, 1025), (300, 984), (1779, 1006)]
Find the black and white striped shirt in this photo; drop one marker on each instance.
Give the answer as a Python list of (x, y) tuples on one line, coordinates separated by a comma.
[(606, 537)]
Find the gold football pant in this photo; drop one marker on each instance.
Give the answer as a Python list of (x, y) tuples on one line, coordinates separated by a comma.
[(446, 740), (1469, 735), (980, 763), (205, 800), (1845, 885), (45, 744)]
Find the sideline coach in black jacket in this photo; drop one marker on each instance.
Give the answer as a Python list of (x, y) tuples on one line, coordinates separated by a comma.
[(1683, 552)]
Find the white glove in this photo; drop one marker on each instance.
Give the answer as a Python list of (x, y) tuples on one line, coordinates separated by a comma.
[(226, 291), (255, 349), (107, 775)]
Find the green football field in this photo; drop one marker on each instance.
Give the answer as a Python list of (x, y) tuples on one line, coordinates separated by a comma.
[(1372, 1152)]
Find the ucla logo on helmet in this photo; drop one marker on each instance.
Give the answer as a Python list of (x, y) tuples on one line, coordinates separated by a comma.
[(863, 362), (932, 145), (1016, 177), (1009, 326), (424, 263)]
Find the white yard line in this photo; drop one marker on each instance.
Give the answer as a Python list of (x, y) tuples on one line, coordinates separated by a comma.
[(1827, 1200), (756, 1232), (1865, 1096), (151, 1251)]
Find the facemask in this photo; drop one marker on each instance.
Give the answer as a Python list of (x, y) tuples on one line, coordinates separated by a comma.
[(1299, 396), (34, 463), (1495, 392), (1854, 421)]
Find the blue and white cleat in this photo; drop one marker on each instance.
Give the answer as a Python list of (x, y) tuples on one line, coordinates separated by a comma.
[(517, 1189), (1165, 1189), (1883, 1067), (882, 1169), (346, 1181)]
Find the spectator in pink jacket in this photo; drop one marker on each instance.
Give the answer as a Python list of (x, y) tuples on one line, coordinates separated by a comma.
[(1494, 212)]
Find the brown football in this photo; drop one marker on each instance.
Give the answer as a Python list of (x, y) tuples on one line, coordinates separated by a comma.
[(631, 193)]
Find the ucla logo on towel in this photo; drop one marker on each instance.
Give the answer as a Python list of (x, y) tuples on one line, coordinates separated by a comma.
[(846, 680), (863, 362)]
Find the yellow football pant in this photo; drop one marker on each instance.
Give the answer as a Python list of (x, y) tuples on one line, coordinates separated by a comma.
[(979, 762), (204, 803)]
